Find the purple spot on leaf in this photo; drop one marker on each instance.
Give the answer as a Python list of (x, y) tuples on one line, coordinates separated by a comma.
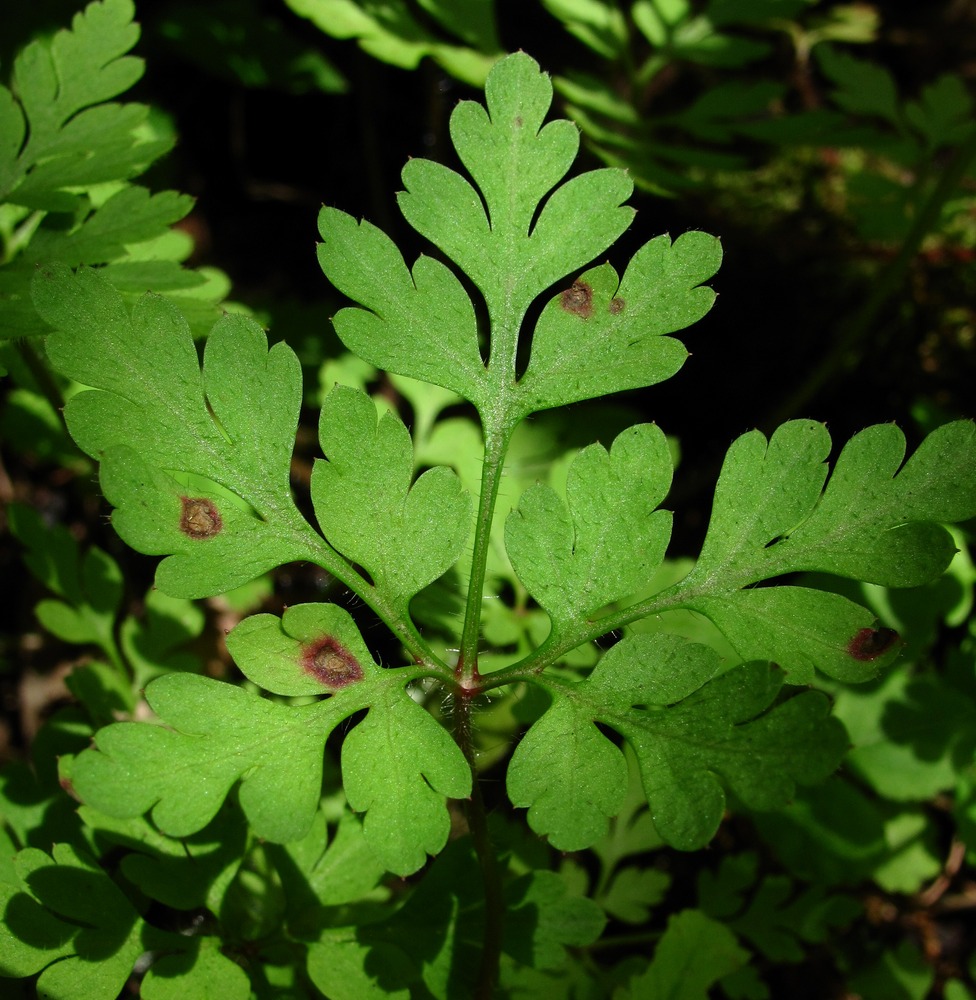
[(870, 643), (199, 518), (330, 663)]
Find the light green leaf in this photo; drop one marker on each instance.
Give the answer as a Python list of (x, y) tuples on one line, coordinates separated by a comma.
[(219, 734), (397, 766), (196, 461), (312, 649), (879, 519), (418, 323), (510, 249), (692, 732), (405, 536), (611, 538), (602, 335), (203, 973)]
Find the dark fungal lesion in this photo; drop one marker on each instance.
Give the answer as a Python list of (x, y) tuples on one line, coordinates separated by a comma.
[(330, 663), (616, 306), (578, 299), (199, 518), (871, 643)]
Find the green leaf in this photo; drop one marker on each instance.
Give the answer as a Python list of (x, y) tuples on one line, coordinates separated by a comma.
[(391, 32), (220, 734), (508, 250), (694, 954), (203, 973), (862, 87), (405, 536), (878, 519), (101, 933), (73, 138), (418, 323), (422, 324), (184, 873), (397, 766), (197, 462), (91, 584), (692, 732), (911, 735), (611, 538), (604, 335)]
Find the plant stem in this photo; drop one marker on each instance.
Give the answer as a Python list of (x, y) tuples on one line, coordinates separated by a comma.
[(497, 435), (491, 948), (848, 346)]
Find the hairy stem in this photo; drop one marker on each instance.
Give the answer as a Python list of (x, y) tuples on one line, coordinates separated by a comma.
[(497, 435), (491, 948)]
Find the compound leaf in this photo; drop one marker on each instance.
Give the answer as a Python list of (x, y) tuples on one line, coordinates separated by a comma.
[(692, 732), (516, 161), (879, 519), (73, 138), (404, 536), (197, 462), (398, 763), (610, 539)]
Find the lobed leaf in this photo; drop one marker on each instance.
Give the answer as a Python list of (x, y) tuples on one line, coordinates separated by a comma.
[(692, 732), (694, 953), (510, 247), (72, 137), (398, 763), (220, 734), (71, 923), (879, 519), (405, 536), (610, 539), (197, 462), (603, 335), (420, 323)]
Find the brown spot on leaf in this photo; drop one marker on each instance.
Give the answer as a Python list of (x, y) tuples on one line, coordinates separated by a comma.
[(870, 643), (200, 518), (578, 298), (330, 663), (518, 121), (616, 306)]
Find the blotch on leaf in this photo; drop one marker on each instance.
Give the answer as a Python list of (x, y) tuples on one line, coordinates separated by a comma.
[(870, 643), (199, 518), (616, 306), (578, 298), (330, 663)]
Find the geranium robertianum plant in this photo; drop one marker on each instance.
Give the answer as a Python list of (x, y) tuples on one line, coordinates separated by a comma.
[(195, 458)]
